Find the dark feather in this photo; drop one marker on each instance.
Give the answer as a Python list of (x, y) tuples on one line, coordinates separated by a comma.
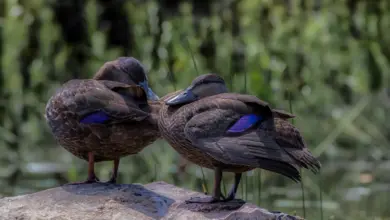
[(112, 119), (126, 70), (292, 142), (199, 132), (95, 117), (206, 132)]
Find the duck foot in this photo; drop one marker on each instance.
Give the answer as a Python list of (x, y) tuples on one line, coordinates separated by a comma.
[(229, 198), (232, 193), (209, 199), (92, 178), (88, 181), (114, 173), (111, 181)]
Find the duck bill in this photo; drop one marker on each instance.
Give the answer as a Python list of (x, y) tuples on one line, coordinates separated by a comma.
[(186, 96), (149, 92), (151, 95)]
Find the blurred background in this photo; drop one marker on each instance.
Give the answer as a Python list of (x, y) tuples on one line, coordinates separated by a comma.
[(327, 61)]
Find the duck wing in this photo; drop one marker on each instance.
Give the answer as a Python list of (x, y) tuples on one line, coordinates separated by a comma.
[(108, 102), (282, 114), (289, 137), (227, 128), (254, 101)]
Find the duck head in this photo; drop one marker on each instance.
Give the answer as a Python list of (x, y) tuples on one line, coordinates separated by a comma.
[(126, 70), (203, 86)]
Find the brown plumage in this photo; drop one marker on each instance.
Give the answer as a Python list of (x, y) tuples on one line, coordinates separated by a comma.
[(198, 123), (102, 119)]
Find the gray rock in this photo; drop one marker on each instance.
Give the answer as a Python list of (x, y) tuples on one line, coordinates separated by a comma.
[(101, 201)]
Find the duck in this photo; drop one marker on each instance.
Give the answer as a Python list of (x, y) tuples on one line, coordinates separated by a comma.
[(106, 117), (231, 132)]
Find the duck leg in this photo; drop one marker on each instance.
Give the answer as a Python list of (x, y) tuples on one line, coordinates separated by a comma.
[(233, 190), (92, 178), (216, 197), (114, 174)]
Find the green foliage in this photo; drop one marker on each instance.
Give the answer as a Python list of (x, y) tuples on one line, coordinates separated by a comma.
[(334, 58)]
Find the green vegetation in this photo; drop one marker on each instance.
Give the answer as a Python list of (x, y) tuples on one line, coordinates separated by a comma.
[(329, 61)]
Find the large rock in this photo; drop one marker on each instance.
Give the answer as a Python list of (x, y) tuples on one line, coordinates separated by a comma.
[(101, 201)]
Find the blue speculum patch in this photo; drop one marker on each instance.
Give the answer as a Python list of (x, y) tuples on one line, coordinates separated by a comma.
[(245, 122), (96, 117)]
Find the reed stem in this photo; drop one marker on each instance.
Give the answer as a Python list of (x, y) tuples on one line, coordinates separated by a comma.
[(300, 170), (204, 185)]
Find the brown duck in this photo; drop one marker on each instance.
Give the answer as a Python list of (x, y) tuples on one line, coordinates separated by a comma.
[(106, 117), (230, 132)]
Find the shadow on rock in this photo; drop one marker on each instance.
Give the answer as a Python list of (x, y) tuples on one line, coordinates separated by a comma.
[(133, 196), (213, 207)]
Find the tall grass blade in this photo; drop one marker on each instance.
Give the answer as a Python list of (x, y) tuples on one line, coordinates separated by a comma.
[(170, 75), (246, 186), (242, 189), (204, 185), (321, 208), (303, 194), (245, 174), (187, 42), (223, 186), (290, 105), (259, 186), (155, 171), (300, 170)]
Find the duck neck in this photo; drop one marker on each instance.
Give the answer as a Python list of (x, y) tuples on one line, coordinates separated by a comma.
[(155, 107)]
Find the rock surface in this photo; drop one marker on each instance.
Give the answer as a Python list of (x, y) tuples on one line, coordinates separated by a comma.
[(101, 201)]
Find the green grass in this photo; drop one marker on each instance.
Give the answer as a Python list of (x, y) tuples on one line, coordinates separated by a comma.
[(336, 67)]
